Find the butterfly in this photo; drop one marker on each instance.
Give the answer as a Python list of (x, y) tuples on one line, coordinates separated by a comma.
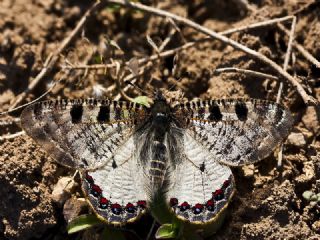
[(172, 156)]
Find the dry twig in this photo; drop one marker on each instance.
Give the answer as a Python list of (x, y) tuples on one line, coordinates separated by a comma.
[(285, 67), (301, 49), (52, 59), (246, 71), (11, 136), (309, 100)]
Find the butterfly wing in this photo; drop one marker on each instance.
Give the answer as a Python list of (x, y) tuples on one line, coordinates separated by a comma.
[(82, 133), (236, 132), (116, 191), (95, 136), (200, 186)]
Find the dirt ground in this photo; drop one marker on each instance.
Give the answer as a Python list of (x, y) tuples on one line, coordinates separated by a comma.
[(268, 203)]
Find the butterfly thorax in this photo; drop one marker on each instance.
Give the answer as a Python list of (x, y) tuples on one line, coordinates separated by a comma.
[(160, 119)]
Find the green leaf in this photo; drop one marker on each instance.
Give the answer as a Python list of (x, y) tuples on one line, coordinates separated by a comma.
[(110, 233), (83, 222), (166, 231), (143, 100), (113, 7), (307, 195), (314, 197)]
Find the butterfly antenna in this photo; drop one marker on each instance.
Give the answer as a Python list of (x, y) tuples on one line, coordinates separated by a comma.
[(138, 88), (173, 85)]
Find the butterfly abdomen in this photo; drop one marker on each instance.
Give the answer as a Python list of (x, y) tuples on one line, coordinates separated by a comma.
[(158, 162)]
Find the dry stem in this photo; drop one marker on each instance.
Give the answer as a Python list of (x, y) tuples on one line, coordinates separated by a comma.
[(52, 59), (246, 71), (309, 100), (11, 136), (301, 49), (285, 67)]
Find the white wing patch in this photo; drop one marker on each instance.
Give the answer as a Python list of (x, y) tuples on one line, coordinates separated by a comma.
[(116, 190), (201, 186)]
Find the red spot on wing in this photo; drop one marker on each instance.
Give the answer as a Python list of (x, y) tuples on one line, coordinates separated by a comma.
[(96, 188), (210, 205), (130, 208), (104, 201), (142, 204), (226, 184), (218, 194), (173, 202), (184, 206), (197, 208), (89, 178)]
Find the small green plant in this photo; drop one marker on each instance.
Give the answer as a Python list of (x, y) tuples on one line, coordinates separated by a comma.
[(312, 198), (169, 230), (84, 222), (314, 201), (143, 100)]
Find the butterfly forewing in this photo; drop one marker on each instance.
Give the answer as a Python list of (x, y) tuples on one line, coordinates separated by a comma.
[(82, 133), (236, 131)]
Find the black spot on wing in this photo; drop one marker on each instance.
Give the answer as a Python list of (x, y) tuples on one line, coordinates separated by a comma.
[(215, 113), (114, 164), (103, 115), (202, 167), (76, 113), (117, 113), (279, 115), (37, 111), (241, 111)]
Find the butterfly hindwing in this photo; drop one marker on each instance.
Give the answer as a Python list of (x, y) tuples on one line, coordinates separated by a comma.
[(81, 133), (116, 190), (236, 131), (200, 186)]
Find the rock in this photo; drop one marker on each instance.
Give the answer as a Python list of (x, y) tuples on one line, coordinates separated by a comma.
[(310, 119), (73, 207), (63, 189), (297, 139)]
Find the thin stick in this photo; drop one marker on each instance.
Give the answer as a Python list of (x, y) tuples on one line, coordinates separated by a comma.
[(174, 51), (285, 67), (167, 40), (256, 25), (51, 60), (301, 49), (151, 229), (11, 136), (33, 101), (288, 54), (309, 100), (9, 122), (247, 72), (183, 47)]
